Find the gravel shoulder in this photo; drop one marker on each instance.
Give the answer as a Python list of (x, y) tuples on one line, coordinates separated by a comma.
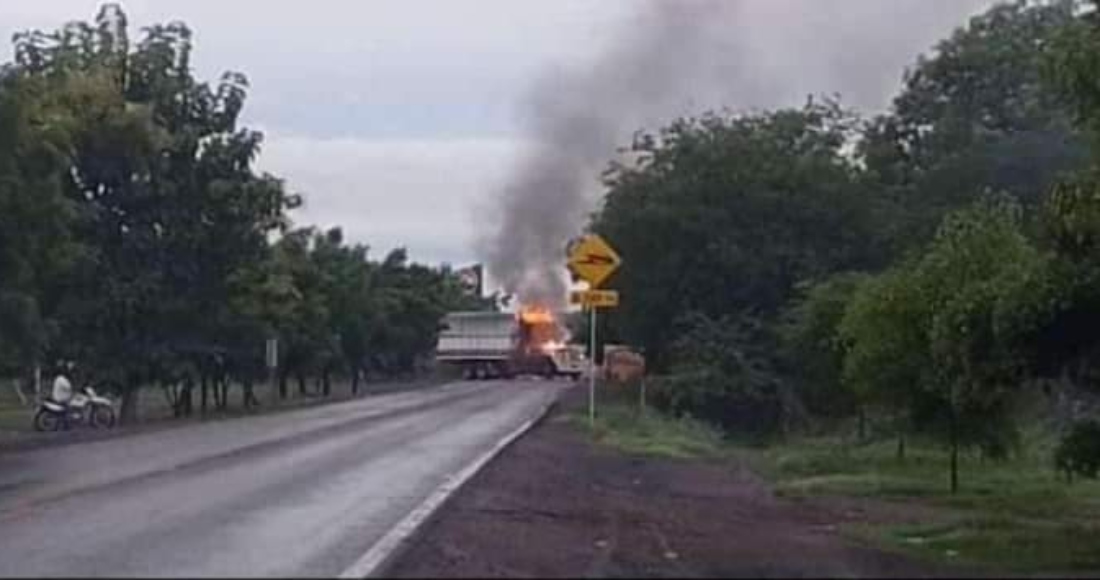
[(555, 504)]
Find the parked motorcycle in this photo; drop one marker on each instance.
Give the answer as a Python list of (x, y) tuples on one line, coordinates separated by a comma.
[(85, 407)]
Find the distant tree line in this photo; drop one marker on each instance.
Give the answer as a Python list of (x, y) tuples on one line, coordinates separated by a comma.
[(138, 241), (925, 267)]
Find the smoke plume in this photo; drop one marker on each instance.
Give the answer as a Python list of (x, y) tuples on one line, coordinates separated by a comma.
[(681, 57)]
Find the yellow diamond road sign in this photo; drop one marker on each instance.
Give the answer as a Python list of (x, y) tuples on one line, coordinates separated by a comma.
[(595, 298), (592, 259)]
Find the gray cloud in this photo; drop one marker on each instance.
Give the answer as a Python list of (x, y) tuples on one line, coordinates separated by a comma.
[(674, 57), (400, 119), (421, 194)]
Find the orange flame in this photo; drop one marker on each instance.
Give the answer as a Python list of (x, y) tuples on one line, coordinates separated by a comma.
[(536, 315)]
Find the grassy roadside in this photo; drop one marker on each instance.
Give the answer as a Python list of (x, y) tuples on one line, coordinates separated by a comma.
[(650, 434), (1014, 516)]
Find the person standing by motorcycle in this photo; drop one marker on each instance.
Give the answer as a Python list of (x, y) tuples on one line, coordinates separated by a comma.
[(63, 408), (62, 391)]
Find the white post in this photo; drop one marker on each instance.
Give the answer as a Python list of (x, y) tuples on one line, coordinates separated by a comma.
[(37, 383), (592, 369)]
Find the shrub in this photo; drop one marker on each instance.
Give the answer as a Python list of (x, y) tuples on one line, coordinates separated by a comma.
[(1078, 453)]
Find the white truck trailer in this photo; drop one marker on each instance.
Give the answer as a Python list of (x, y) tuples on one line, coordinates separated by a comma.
[(489, 345)]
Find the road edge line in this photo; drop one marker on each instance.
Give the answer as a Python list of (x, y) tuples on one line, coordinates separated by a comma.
[(386, 550)]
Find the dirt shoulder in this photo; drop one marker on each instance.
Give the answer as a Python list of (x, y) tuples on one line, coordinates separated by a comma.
[(556, 504)]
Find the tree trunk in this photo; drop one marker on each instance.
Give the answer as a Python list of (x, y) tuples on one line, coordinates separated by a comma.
[(862, 425), (901, 447), (202, 397), (250, 399), (171, 396), (223, 401), (954, 455), (127, 415), (301, 384), (354, 382), (283, 390), (185, 400), (326, 383)]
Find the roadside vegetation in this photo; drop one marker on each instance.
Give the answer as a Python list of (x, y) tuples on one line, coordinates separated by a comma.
[(139, 242), (1013, 515), (899, 308), (649, 433), (1016, 515), (927, 270)]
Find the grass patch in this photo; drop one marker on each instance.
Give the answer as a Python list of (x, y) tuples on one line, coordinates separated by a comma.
[(1015, 515), (651, 434), (1021, 546), (15, 418)]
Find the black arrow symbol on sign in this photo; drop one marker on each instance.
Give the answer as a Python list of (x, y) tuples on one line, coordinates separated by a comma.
[(596, 260)]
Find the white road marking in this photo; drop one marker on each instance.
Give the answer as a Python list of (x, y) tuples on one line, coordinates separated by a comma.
[(384, 549)]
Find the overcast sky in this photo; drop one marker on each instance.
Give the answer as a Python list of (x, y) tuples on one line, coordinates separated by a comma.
[(397, 118)]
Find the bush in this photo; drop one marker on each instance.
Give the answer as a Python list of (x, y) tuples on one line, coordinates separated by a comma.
[(730, 402), (1078, 453), (723, 374)]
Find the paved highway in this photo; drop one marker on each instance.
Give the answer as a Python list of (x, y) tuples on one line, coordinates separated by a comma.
[(302, 493)]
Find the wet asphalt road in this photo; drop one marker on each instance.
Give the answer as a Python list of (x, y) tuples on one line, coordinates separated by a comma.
[(302, 493)]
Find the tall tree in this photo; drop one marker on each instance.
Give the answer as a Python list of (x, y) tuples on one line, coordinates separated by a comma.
[(976, 116), (727, 214), (36, 247), (168, 202), (935, 338)]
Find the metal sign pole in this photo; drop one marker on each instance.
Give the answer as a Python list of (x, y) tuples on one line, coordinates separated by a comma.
[(592, 369)]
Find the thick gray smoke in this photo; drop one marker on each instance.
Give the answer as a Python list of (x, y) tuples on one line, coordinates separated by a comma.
[(682, 57)]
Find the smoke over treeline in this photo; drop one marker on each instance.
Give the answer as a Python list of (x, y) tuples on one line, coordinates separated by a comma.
[(680, 57)]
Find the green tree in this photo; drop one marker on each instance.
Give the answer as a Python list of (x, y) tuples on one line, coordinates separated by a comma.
[(166, 198), (937, 337), (886, 359), (976, 116), (979, 256), (812, 349), (724, 373), (724, 215), (36, 247)]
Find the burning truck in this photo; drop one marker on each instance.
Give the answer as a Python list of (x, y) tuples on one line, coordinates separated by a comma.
[(490, 345)]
